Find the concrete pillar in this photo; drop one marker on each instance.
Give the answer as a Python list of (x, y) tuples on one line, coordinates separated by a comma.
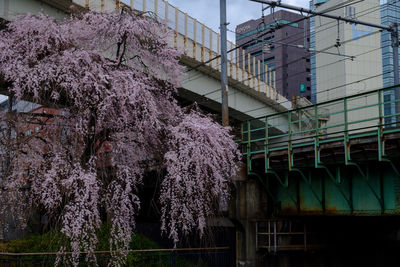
[(249, 208)]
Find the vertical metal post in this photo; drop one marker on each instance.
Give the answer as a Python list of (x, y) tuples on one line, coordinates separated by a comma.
[(395, 45), (266, 155), (194, 38), (202, 42), (381, 144), (316, 139), (210, 55), (248, 147), (269, 236), (305, 237), (186, 31), (346, 133), (262, 76), (224, 65), (290, 156), (275, 241), (256, 236), (176, 27)]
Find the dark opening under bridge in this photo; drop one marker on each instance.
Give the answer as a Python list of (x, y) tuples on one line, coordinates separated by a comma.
[(335, 158)]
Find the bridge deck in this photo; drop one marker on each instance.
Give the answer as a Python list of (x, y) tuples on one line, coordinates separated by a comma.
[(338, 157)]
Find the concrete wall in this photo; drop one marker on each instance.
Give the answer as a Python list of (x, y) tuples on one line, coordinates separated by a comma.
[(10, 9)]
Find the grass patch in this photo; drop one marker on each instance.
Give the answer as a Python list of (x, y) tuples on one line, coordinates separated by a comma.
[(52, 241)]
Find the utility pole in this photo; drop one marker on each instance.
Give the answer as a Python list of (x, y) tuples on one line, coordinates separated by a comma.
[(224, 64)]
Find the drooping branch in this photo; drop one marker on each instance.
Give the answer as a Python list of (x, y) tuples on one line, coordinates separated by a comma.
[(124, 104)]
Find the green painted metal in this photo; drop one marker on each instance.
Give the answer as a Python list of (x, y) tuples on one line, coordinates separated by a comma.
[(347, 187), (302, 88)]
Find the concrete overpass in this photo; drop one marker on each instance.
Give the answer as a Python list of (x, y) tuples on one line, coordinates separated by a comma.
[(249, 97)]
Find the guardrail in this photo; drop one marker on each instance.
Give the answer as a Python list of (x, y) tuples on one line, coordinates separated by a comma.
[(369, 114), (202, 44)]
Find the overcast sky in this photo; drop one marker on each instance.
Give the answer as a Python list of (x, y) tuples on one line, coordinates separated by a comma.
[(238, 11)]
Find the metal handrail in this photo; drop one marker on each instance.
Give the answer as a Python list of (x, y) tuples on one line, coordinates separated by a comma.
[(343, 122)]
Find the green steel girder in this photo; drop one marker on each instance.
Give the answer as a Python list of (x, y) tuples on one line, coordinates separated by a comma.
[(337, 181), (396, 171), (364, 181), (308, 183), (363, 174), (284, 182)]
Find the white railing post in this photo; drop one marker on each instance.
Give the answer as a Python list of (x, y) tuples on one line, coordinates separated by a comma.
[(194, 38), (202, 42), (186, 30), (176, 27), (210, 48)]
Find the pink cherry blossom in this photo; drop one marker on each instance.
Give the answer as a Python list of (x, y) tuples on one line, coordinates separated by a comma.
[(109, 80)]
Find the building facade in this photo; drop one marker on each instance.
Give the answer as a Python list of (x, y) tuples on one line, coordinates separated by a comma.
[(348, 58), (282, 49), (390, 13), (334, 72)]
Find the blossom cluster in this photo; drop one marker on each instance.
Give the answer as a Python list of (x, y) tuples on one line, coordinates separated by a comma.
[(113, 77)]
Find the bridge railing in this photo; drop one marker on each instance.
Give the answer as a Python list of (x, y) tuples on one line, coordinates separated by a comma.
[(373, 113), (202, 44)]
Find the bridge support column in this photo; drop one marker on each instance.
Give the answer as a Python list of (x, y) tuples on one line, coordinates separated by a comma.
[(248, 212)]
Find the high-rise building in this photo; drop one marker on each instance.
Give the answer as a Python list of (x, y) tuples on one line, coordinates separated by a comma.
[(282, 49), (390, 13)]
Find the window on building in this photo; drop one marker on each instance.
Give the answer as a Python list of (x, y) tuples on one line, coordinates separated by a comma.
[(36, 129), (387, 98), (308, 79), (258, 53), (270, 59), (350, 12), (308, 69), (28, 132)]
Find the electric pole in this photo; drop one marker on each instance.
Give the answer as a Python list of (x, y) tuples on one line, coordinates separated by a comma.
[(224, 64)]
